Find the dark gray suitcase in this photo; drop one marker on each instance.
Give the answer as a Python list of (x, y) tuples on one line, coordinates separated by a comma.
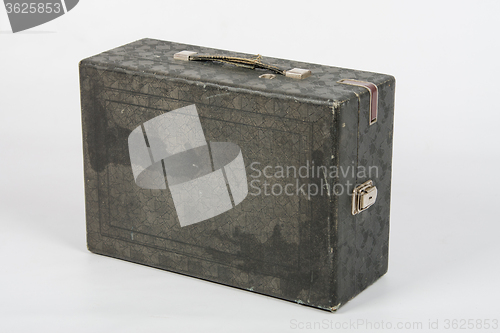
[(259, 173)]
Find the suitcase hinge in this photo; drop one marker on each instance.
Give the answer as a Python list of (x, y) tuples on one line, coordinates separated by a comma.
[(373, 90)]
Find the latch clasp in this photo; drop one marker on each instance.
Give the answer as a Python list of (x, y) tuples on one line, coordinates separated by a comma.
[(363, 197)]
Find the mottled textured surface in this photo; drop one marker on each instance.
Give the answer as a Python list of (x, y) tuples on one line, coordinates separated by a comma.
[(308, 251)]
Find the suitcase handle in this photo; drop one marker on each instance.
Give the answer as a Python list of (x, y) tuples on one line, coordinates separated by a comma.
[(250, 63)]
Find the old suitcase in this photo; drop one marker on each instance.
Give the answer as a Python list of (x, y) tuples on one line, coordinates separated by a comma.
[(259, 173)]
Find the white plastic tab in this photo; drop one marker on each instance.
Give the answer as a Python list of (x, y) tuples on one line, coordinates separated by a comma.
[(298, 73), (184, 55)]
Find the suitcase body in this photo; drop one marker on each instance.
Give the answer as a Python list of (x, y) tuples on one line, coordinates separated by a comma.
[(210, 170)]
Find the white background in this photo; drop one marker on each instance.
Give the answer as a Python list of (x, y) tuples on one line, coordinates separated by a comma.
[(444, 244)]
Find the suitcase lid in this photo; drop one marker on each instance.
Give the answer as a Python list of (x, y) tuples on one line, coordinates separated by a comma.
[(156, 57)]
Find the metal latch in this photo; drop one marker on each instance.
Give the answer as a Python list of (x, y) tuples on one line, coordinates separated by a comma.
[(363, 197)]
